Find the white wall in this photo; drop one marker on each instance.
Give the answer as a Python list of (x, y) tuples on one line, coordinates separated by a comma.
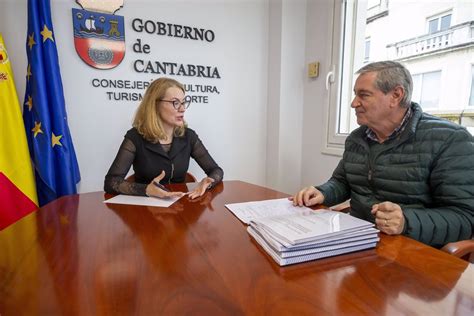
[(267, 124), (285, 94), (300, 33)]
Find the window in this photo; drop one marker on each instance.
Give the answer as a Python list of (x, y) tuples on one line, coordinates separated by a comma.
[(374, 30), (445, 22), (471, 99), (367, 50), (439, 23), (433, 26), (426, 88), (339, 79)]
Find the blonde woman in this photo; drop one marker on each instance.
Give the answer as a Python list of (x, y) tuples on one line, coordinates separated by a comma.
[(159, 147)]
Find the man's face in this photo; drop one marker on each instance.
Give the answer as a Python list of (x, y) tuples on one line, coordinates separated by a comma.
[(371, 105)]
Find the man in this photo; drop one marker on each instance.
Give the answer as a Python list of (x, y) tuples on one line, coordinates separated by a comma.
[(409, 172)]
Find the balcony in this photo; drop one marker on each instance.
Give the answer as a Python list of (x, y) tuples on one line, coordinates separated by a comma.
[(457, 36), (462, 117)]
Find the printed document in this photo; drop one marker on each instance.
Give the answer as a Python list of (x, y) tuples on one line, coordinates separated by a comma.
[(249, 211), (282, 258), (304, 227), (142, 200), (292, 234)]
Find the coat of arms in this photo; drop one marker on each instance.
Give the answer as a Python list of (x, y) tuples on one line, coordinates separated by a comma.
[(3, 54), (99, 34), (3, 60)]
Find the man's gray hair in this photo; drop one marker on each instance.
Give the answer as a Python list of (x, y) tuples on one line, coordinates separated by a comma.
[(391, 74)]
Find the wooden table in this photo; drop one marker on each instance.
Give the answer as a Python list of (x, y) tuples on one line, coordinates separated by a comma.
[(79, 256)]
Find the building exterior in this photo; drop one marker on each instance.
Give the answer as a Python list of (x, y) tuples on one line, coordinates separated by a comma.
[(435, 40)]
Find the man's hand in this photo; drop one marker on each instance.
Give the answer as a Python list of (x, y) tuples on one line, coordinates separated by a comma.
[(389, 217), (309, 196), (201, 188)]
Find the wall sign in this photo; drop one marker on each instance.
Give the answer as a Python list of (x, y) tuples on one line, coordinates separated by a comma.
[(99, 38)]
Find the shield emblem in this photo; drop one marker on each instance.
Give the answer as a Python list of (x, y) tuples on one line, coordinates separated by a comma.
[(3, 54), (3, 60), (99, 38)]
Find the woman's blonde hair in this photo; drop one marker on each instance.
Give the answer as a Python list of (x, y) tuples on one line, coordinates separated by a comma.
[(147, 120)]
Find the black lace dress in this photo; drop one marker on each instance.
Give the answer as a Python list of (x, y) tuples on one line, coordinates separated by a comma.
[(149, 159)]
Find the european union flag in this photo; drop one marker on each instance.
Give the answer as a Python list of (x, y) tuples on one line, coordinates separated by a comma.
[(49, 139)]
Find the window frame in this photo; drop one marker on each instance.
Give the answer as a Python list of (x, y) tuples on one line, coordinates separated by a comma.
[(438, 17), (471, 95), (367, 49), (339, 88)]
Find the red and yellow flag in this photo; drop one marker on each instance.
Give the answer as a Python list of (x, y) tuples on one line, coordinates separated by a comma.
[(17, 184)]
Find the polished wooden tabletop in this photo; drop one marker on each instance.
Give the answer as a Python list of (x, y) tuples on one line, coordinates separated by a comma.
[(79, 256)]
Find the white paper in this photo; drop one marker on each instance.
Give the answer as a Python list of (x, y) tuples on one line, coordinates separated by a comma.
[(248, 211), (309, 226), (276, 244), (292, 234), (308, 257), (142, 200)]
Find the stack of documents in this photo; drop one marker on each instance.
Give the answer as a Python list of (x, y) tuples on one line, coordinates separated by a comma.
[(292, 234)]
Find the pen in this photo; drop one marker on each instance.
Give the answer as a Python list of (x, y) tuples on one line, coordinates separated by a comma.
[(161, 186)]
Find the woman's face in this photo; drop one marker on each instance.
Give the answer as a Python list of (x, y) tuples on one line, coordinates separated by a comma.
[(171, 116)]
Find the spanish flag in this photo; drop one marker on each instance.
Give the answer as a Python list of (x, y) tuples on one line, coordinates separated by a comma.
[(17, 183)]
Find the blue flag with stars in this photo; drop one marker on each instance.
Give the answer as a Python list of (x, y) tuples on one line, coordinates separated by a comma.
[(44, 113)]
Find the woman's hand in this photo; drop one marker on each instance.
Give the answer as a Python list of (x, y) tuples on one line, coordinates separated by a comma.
[(155, 189), (308, 196), (201, 188)]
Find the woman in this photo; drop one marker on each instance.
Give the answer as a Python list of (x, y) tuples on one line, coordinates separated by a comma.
[(159, 147)]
